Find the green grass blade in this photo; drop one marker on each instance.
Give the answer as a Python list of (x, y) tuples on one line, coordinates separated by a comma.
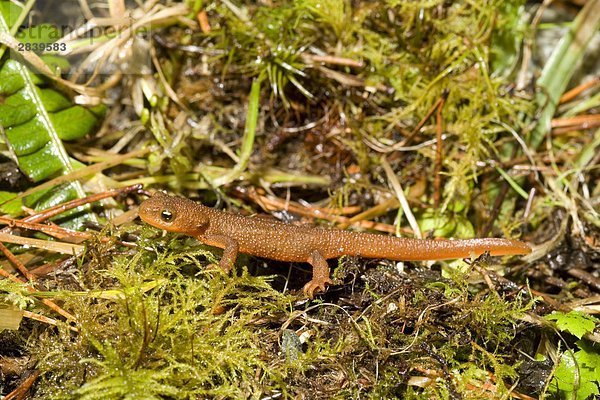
[(517, 188), (247, 140), (561, 66)]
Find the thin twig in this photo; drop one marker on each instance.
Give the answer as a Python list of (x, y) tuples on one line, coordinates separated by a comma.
[(20, 392), (576, 91)]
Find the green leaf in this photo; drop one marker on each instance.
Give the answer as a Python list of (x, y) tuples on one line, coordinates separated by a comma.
[(36, 120), (75, 122), (572, 376), (588, 382), (574, 322), (589, 356), (444, 225)]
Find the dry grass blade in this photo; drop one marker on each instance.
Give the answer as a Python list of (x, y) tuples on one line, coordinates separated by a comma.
[(58, 247)]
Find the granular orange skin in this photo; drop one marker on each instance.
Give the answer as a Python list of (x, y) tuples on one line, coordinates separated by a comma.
[(276, 240)]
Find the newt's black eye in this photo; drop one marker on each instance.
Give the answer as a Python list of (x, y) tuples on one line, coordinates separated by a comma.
[(166, 215)]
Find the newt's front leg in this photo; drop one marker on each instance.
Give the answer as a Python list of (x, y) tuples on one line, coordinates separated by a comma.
[(320, 276), (230, 248)]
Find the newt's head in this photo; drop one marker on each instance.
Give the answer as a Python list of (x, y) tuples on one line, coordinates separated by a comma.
[(174, 214)]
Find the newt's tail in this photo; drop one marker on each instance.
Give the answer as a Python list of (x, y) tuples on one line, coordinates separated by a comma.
[(404, 249)]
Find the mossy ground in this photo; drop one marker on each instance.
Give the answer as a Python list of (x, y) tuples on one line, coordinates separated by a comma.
[(290, 106), (155, 323)]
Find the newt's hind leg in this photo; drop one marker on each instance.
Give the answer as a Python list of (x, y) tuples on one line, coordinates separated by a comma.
[(320, 276)]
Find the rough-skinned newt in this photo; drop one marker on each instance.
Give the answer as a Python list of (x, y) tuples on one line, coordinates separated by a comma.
[(285, 242)]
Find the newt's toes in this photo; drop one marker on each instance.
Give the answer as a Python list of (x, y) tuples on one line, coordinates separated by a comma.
[(316, 286)]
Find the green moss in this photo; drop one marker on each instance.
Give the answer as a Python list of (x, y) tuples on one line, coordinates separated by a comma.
[(157, 323), (165, 341)]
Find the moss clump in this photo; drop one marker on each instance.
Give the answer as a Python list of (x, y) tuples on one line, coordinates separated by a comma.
[(150, 330)]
